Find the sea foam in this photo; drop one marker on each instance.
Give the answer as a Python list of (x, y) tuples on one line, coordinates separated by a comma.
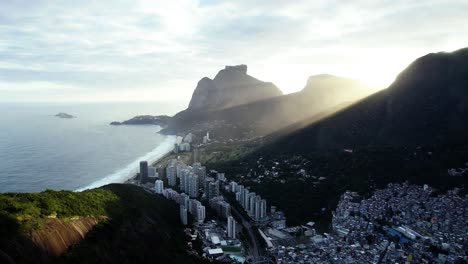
[(131, 169)]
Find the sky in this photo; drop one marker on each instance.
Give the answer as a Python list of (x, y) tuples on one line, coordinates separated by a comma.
[(151, 50)]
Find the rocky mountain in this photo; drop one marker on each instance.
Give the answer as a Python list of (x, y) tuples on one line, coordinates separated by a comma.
[(322, 95), (427, 104), (231, 86), (116, 223)]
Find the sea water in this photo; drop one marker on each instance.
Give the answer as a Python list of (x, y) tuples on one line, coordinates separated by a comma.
[(39, 151)]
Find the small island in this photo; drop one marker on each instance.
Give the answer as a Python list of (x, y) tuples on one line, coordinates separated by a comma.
[(160, 120), (64, 115)]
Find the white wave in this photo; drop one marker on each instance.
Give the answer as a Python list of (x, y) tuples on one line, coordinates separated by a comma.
[(124, 174)]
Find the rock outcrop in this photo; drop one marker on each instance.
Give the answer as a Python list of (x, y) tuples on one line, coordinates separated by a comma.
[(64, 115), (56, 236), (231, 86)]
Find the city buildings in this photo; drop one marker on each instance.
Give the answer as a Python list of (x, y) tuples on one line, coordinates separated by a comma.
[(160, 172), (200, 214), (222, 208), (158, 186), (231, 227), (199, 170), (143, 172), (183, 215), (184, 200), (260, 209), (221, 176), (171, 175), (213, 190), (233, 187), (193, 185)]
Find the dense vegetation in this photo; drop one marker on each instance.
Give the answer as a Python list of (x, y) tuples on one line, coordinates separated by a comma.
[(31, 209), (140, 227)]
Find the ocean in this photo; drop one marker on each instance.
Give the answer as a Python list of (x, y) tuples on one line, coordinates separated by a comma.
[(39, 151)]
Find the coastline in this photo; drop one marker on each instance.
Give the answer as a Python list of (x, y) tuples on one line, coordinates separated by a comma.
[(128, 173), (132, 179)]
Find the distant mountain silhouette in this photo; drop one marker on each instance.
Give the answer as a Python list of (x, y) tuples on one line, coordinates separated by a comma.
[(231, 86), (427, 104), (322, 95)]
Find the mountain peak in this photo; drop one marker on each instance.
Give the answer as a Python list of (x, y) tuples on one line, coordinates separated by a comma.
[(322, 77), (240, 68), (230, 87), (434, 70)]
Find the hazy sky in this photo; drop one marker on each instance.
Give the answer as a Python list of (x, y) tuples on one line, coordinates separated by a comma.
[(158, 50)]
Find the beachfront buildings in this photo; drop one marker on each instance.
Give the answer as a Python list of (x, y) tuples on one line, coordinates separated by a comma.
[(158, 186), (143, 171)]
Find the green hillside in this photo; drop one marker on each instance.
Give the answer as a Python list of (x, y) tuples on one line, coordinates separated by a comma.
[(137, 226)]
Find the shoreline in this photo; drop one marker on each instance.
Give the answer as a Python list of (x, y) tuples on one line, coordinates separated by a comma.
[(128, 173), (132, 179)]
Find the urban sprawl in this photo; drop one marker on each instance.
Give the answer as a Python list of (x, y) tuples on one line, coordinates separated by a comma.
[(402, 223)]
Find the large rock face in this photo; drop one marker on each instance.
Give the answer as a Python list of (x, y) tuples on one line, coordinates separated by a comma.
[(231, 86), (56, 236)]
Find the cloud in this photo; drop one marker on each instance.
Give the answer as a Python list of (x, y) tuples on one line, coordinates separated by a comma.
[(161, 48)]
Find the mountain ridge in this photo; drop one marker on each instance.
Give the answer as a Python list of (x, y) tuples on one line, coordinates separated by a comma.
[(116, 223), (320, 95), (434, 108)]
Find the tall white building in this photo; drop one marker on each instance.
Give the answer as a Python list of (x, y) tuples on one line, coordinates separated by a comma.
[(171, 176), (200, 170), (184, 200), (193, 206), (238, 196), (245, 198), (233, 187), (193, 186), (250, 207), (158, 186), (184, 183), (231, 227), (183, 215), (200, 214), (260, 209)]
